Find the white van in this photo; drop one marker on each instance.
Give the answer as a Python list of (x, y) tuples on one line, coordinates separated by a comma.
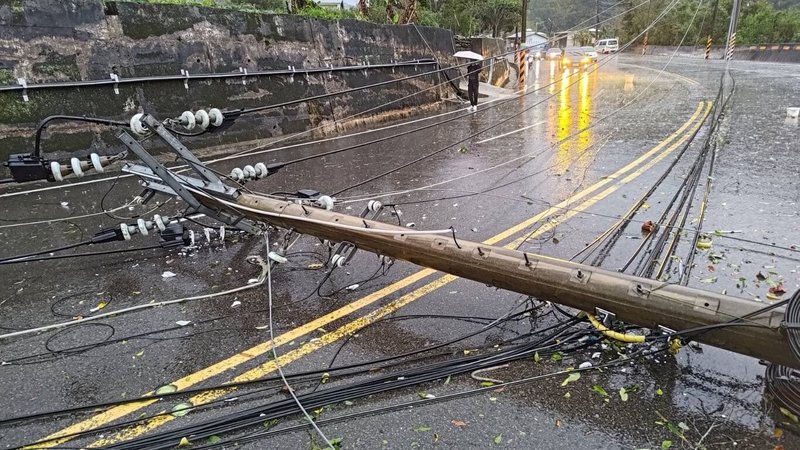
[(608, 45)]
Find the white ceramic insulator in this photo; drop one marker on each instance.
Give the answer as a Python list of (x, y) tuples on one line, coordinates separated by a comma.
[(216, 117), (325, 202), (191, 238), (76, 167), (277, 258), (136, 124), (142, 225), (249, 171), (207, 233), (55, 168), (126, 233), (261, 170), (374, 205), (222, 233), (202, 119), (237, 174), (159, 222), (338, 260), (96, 162), (187, 120)]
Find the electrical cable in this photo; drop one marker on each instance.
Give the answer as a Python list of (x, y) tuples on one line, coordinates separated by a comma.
[(81, 255), (275, 352), (258, 282)]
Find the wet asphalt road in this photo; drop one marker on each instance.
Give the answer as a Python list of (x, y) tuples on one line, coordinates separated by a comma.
[(717, 395)]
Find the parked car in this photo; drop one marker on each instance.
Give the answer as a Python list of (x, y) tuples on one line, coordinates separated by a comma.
[(574, 57), (553, 53), (590, 53), (608, 45)]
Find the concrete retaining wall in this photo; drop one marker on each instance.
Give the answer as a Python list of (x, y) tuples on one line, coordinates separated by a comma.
[(53, 40)]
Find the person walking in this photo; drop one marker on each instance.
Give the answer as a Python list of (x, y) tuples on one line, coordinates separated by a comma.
[(473, 74)]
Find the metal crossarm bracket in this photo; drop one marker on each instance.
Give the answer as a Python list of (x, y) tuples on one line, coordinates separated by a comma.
[(156, 177), (182, 151)]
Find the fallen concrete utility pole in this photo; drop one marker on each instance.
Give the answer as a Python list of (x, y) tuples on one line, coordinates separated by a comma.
[(640, 301)]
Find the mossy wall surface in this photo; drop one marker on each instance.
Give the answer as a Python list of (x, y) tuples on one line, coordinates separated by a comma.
[(75, 40)]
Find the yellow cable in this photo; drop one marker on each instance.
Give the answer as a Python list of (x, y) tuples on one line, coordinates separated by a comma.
[(629, 338)]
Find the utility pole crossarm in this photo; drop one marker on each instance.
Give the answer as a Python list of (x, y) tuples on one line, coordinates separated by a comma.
[(635, 300)]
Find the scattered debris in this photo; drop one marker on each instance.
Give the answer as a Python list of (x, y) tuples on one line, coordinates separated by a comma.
[(236, 304), (167, 274), (648, 227), (183, 323)]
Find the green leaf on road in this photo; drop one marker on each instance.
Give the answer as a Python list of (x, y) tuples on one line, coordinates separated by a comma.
[(556, 357), (600, 390), (659, 391), (574, 376), (623, 394), (789, 414), (666, 444), (536, 357), (182, 409), (498, 439), (423, 428), (214, 439)]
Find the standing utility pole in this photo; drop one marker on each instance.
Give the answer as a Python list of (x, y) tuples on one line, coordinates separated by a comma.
[(597, 21), (710, 41), (524, 20), (732, 30)]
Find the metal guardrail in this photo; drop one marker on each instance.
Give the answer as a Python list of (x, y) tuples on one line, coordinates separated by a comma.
[(185, 76)]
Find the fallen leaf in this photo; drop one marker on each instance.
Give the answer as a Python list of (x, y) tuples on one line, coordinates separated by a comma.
[(659, 391), (600, 390), (789, 414), (458, 423), (778, 433), (423, 428), (140, 353), (314, 266), (709, 280), (556, 357), (575, 376), (567, 395), (184, 442), (181, 409), (712, 269), (623, 394), (778, 447), (760, 276), (498, 439), (168, 389), (558, 423), (487, 383), (704, 243), (536, 357), (666, 444), (214, 439), (648, 227)]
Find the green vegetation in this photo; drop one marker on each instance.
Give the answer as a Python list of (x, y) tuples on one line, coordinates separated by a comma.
[(7, 77), (761, 21)]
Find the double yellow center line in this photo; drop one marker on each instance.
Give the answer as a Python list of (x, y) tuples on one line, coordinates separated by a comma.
[(565, 210)]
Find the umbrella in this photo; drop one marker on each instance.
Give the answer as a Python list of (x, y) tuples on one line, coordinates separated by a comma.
[(468, 55)]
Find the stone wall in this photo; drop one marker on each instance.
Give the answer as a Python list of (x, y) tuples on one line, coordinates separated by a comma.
[(78, 40)]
